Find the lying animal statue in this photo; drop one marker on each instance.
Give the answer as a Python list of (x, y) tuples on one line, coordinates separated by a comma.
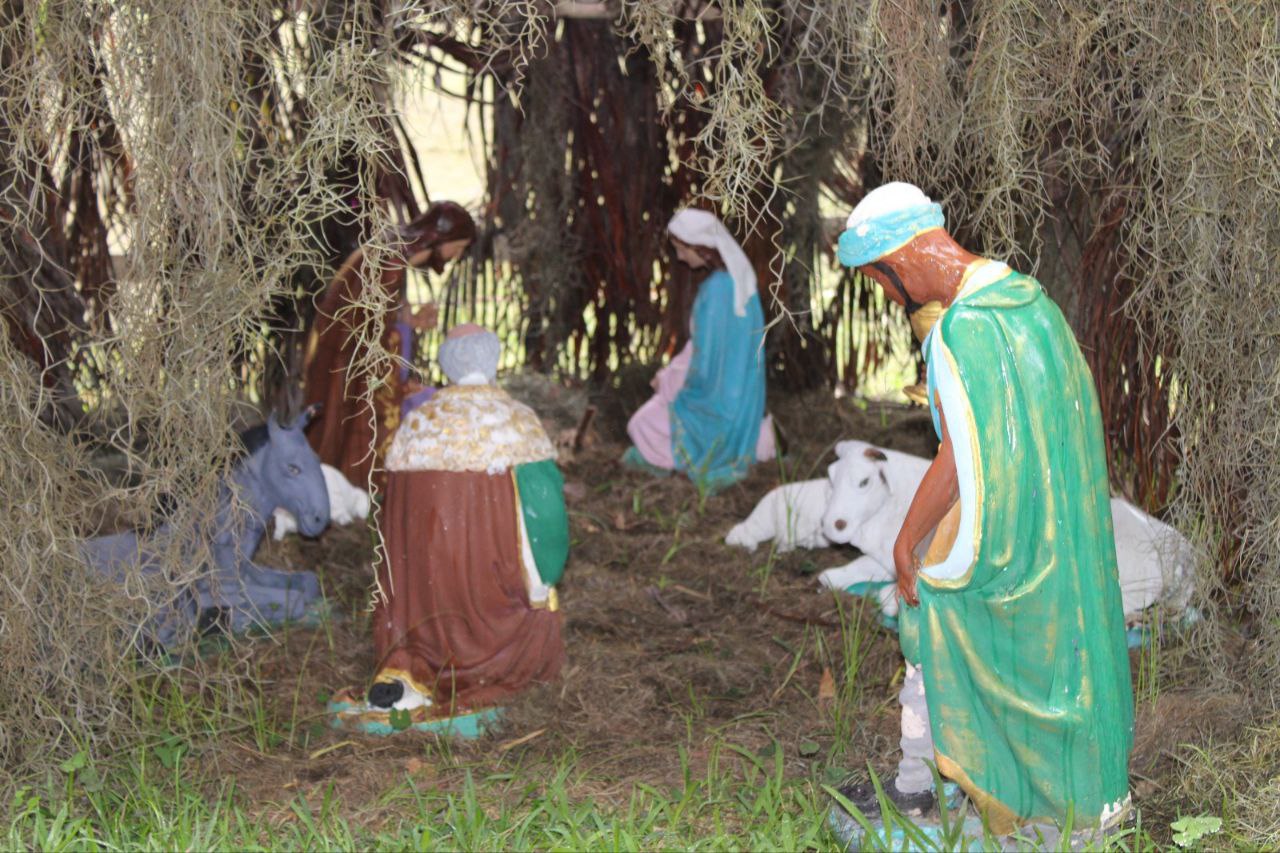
[(346, 504), (278, 469), (790, 515), (872, 488)]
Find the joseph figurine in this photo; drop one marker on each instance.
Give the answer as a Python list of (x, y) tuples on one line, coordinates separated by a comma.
[(1018, 674), (354, 428)]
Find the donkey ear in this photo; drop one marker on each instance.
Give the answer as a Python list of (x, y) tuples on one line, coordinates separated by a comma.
[(273, 427), (307, 414)]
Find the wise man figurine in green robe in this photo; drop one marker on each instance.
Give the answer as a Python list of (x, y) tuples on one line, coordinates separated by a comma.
[(1013, 634)]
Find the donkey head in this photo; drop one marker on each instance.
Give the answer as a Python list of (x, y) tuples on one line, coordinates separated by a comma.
[(291, 471)]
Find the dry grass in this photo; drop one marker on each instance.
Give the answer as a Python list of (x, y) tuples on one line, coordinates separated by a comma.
[(212, 212), (674, 639), (996, 111), (678, 645)]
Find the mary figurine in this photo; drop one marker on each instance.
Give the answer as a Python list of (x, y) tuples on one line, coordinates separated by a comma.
[(707, 416)]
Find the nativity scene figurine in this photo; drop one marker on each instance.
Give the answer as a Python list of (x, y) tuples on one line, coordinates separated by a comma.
[(1017, 680), (475, 539), (707, 415), (229, 592), (349, 435)]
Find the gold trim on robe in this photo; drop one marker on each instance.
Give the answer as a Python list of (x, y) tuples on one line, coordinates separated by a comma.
[(469, 428)]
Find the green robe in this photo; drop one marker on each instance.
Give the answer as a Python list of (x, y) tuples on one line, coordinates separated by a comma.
[(546, 519), (1020, 630)]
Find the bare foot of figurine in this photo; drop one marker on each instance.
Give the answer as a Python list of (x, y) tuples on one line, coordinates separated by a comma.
[(395, 694), (863, 796)]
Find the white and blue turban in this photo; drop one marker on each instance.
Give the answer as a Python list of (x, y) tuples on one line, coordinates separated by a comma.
[(888, 218)]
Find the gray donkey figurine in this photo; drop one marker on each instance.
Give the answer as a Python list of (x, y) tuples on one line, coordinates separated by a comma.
[(278, 469)]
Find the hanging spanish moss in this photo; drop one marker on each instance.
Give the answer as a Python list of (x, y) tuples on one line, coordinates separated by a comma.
[(173, 204)]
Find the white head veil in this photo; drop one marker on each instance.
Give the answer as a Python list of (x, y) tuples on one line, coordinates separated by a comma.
[(700, 228)]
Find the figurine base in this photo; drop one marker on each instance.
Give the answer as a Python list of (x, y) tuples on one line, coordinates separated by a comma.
[(871, 591), (853, 835), (927, 834), (349, 712), (633, 460)]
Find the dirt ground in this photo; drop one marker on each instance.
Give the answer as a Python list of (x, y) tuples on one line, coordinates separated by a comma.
[(674, 641)]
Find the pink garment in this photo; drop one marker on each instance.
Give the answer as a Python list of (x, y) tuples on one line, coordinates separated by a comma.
[(650, 426)]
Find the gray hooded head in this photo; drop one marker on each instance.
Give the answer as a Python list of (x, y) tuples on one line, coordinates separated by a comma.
[(469, 355)]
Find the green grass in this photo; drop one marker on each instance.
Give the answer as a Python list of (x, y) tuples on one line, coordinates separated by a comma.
[(744, 800), (165, 796), (176, 793), (953, 832)]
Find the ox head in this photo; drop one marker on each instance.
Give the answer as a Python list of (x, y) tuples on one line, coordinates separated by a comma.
[(859, 488), (291, 472)]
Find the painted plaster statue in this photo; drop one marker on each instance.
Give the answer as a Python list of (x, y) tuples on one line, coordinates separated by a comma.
[(347, 503), (789, 516), (1018, 674), (348, 435), (476, 536), (863, 501), (277, 470), (707, 417), (870, 490)]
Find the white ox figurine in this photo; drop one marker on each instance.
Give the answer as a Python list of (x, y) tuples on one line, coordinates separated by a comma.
[(346, 504), (872, 488), (791, 515)]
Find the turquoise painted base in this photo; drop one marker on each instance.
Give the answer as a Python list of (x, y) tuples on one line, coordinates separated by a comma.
[(871, 590), (636, 462), (853, 835), (349, 715), (927, 835)]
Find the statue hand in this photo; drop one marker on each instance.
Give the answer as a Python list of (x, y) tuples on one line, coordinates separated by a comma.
[(907, 566), (425, 317)]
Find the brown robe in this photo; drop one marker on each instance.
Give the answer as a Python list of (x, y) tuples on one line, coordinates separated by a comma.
[(342, 435), (456, 616)]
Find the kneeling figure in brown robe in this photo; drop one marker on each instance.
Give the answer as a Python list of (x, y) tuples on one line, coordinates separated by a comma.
[(473, 522)]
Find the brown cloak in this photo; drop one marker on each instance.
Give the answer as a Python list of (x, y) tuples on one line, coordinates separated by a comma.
[(455, 618), (458, 620), (342, 434)]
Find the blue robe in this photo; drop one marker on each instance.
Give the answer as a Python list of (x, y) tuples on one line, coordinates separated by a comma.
[(715, 419)]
